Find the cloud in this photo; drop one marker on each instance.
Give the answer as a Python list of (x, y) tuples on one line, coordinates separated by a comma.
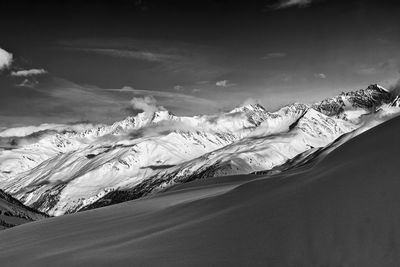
[(5, 59), (203, 82), (148, 104), (196, 90), (30, 83), (33, 129), (274, 55), (126, 89), (31, 72), (57, 100), (291, 3), (176, 58), (134, 54), (224, 83), (162, 128), (320, 75), (29, 77), (368, 71), (179, 88)]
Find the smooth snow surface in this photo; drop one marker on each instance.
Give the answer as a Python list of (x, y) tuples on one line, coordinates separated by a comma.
[(342, 212)]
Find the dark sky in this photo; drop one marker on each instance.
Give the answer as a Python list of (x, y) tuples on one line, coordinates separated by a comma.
[(85, 60)]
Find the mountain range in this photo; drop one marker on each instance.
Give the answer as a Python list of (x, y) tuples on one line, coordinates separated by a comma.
[(59, 169), (342, 210)]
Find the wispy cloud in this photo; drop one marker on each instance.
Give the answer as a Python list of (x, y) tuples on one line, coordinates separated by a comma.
[(5, 59), (31, 72), (368, 70), (203, 82), (177, 58), (291, 3), (133, 54), (381, 67), (274, 55), (224, 83)]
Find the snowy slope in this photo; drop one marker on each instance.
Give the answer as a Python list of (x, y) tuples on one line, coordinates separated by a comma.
[(253, 153), (341, 212), (125, 152), (65, 171)]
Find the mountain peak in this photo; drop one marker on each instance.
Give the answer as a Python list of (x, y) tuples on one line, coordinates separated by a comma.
[(162, 115), (377, 87), (249, 107), (366, 99)]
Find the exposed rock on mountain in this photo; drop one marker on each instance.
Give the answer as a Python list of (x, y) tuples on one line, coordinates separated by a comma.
[(64, 171)]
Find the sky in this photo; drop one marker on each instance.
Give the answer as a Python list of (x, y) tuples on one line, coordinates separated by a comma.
[(100, 61)]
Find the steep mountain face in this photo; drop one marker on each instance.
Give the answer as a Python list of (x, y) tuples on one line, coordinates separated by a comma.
[(253, 153), (64, 171), (13, 212), (396, 102), (351, 105)]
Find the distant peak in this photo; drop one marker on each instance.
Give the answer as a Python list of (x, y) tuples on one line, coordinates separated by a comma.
[(372, 87), (249, 107), (162, 115), (254, 107), (296, 106), (377, 87)]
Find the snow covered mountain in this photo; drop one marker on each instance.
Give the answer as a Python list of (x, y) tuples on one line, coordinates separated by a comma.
[(65, 169), (13, 212), (341, 212)]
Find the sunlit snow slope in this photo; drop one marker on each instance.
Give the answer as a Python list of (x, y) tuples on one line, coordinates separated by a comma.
[(63, 169), (341, 212)]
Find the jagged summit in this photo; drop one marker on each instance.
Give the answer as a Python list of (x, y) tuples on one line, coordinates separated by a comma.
[(373, 90), (249, 108), (294, 107), (364, 99), (377, 87)]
